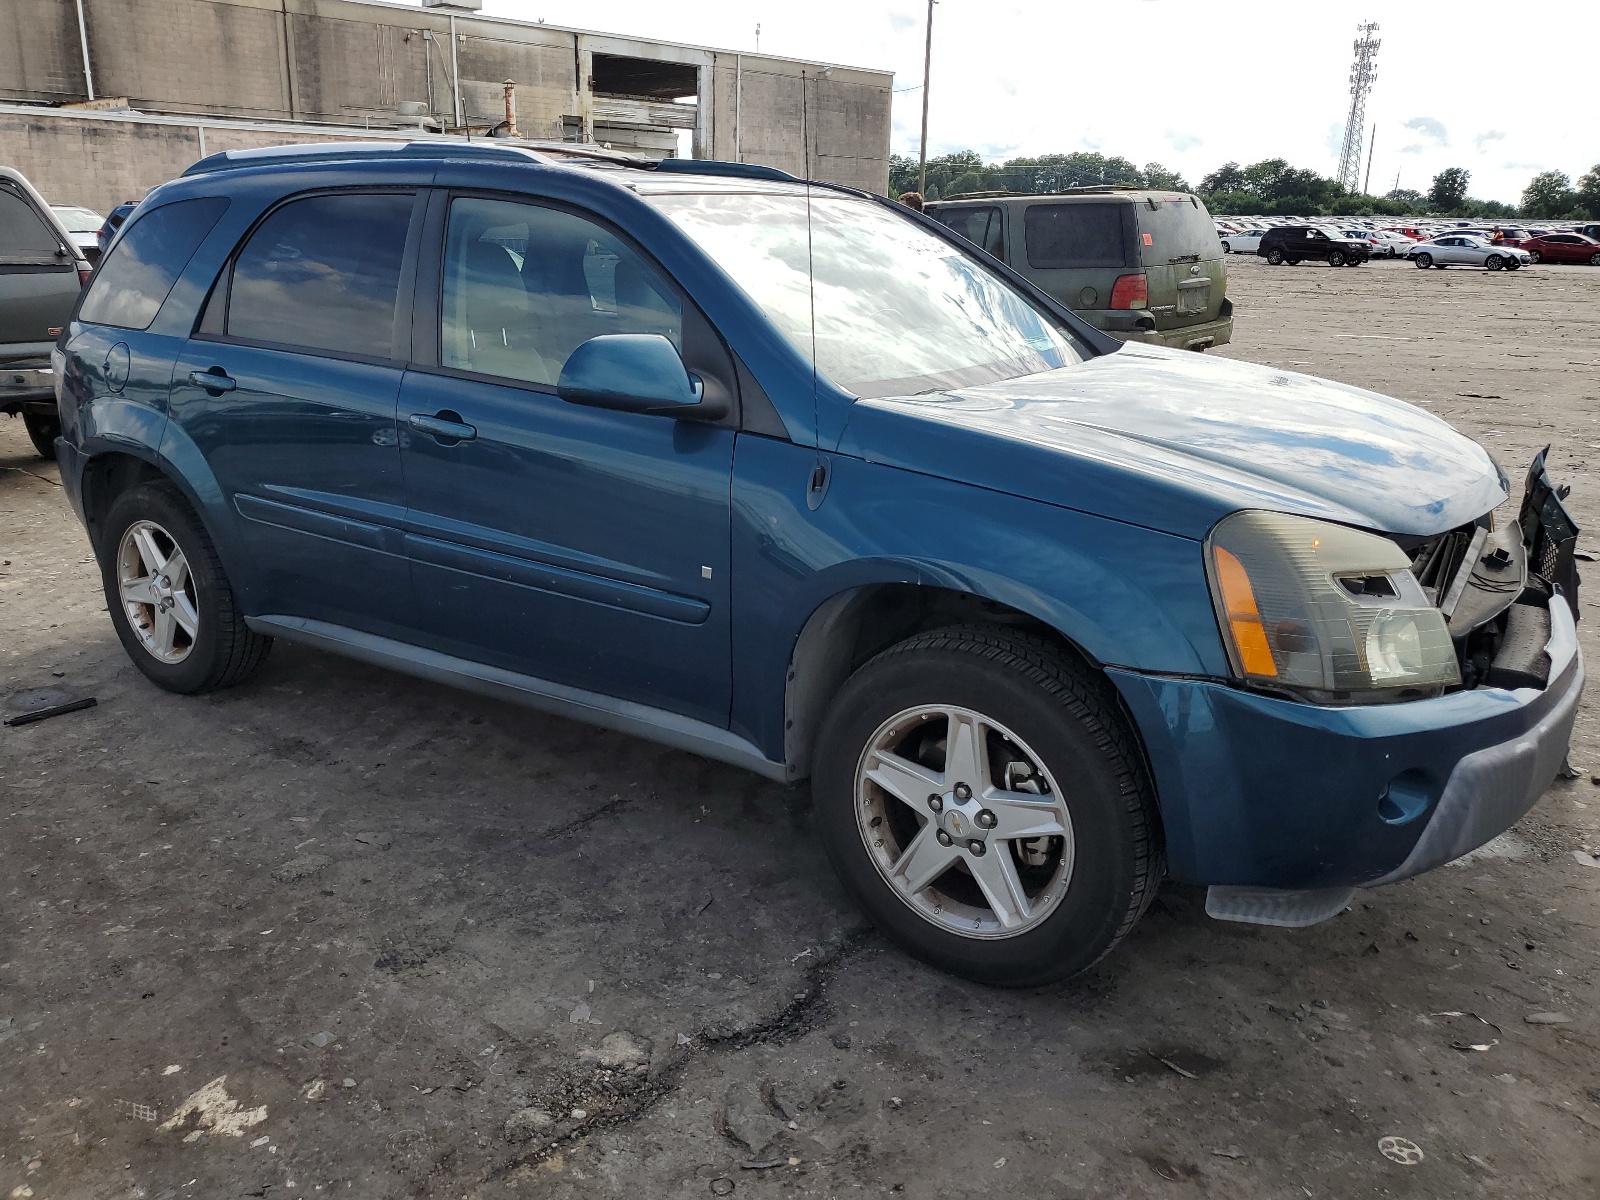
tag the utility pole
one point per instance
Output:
(1372, 148)
(758, 37)
(922, 150)
(1362, 76)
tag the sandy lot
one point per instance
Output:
(326, 933)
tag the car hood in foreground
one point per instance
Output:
(1175, 441)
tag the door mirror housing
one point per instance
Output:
(638, 373)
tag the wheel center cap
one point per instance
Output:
(956, 823)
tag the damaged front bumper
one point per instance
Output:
(1284, 808)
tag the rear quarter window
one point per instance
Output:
(1177, 230)
(1079, 235)
(24, 236)
(135, 278)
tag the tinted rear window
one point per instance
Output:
(323, 273)
(24, 237)
(135, 277)
(1178, 230)
(1079, 235)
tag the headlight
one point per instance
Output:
(1323, 609)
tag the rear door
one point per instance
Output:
(1182, 257)
(39, 281)
(578, 545)
(289, 388)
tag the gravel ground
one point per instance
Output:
(341, 932)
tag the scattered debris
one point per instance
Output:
(347, 1082)
(1467, 1047)
(1587, 857)
(55, 710)
(211, 1108)
(1401, 1150)
(1230, 1152)
(722, 1186)
(526, 1124)
(1548, 1018)
(320, 1040)
(175, 1068)
(764, 1164)
(622, 1051)
(998, 1163)
(579, 1015)
(579, 1114)
(381, 840)
(300, 868)
(841, 1041)
(315, 1089)
(139, 1112)
(1172, 1066)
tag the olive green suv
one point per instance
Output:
(1144, 266)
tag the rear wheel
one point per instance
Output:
(1424, 261)
(1227, 249)
(1336, 258)
(172, 606)
(1594, 259)
(982, 798)
(1533, 256)
(1275, 257)
(43, 430)
(1495, 263)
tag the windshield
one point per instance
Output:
(877, 303)
(79, 220)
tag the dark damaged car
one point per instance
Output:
(784, 475)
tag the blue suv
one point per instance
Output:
(788, 476)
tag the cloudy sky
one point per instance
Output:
(1191, 86)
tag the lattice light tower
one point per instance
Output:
(1363, 73)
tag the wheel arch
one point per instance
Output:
(856, 623)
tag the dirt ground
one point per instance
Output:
(340, 932)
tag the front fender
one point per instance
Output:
(1126, 595)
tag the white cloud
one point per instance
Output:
(1428, 127)
(1183, 141)
(1483, 139)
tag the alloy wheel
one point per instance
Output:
(157, 592)
(964, 822)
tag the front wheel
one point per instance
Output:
(1275, 257)
(170, 602)
(1227, 249)
(1424, 261)
(1336, 258)
(43, 430)
(982, 798)
(1513, 264)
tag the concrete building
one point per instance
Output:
(102, 99)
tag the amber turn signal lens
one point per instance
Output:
(1244, 618)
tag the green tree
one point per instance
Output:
(1409, 197)
(1227, 178)
(1157, 176)
(1449, 190)
(1549, 194)
(1588, 195)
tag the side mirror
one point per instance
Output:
(635, 372)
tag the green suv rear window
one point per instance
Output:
(1178, 231)
(1079, 235)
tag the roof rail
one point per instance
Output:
(711, 166)
(231, 160)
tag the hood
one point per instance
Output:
(1175, 440)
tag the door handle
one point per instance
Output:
(446, 426)
(214, 380)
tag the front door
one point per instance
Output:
(578, 545)
(288, 390)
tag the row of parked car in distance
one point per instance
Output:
(1501, 248)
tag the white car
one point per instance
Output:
(1453, 250)
(84, 226)
(1241, 241)
(1395, 245)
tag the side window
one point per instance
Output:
(525, 286)
(24, 237)
(134, 279)
(323, 273)
(980, 226)
(1079, 235)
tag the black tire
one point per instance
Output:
(1513, 264)
(1070, 719)
(1226, 249)
(43, 430)
(224, 650)
(1275, 257)
(1336, 258)
(1494, 263)
(1424, 261)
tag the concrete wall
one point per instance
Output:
(351, 62)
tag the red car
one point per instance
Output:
(1564, 248)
